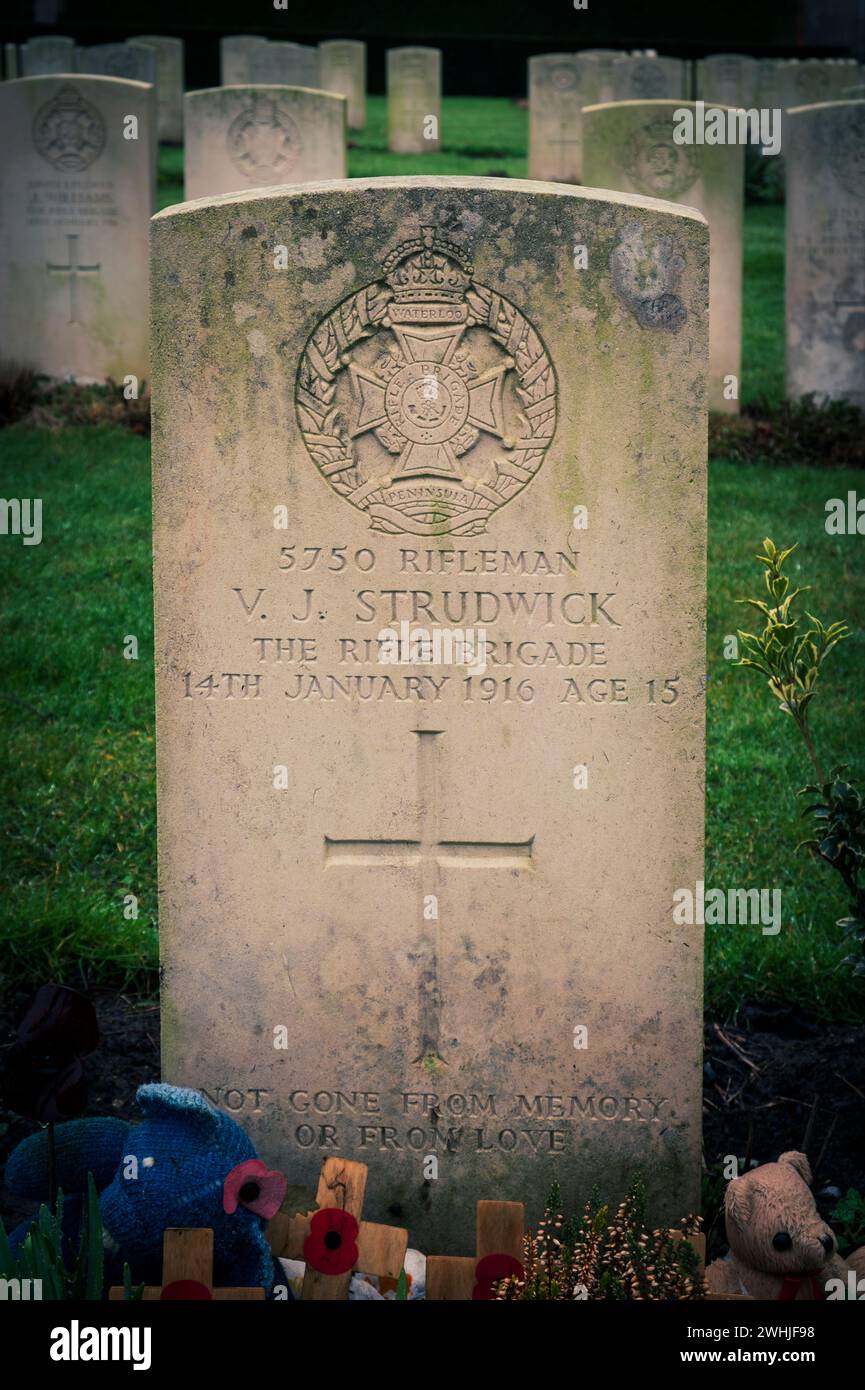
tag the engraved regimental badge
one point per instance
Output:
(69, 132)
(426, 400)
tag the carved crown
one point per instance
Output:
(428, 269)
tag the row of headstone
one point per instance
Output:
(339, 65)
(735, 79)
(153, 58)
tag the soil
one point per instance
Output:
(774, 1080)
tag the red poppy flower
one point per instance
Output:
(331, 1246)
(185, 1290)
(255, 1187)
(490, 1270)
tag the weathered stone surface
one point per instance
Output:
(169, 85)
(75, 197)
(343, 69)
(556, 100)
(254, 137)
(53, 53)
(414, 84)
(630, 146)
(134, 61)
(638, 78)
(393, 864)
(286, 64)
(825, 280)
(234, 54)
(727, 79)
(597, 74)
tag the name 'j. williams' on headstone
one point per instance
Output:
(632, 146)
(825, 234)
(417, 898)
(77, 187)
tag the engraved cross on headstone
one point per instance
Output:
(73, 270)
(431, 855)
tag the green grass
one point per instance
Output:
(77, 812)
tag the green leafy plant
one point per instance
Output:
(791, 651)
(41, 1254)
(592, 1257)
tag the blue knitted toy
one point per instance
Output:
(169, 1170)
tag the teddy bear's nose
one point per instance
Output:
(828, 1243)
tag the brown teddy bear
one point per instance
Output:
(780, 1246)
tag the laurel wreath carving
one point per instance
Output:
(360, 316)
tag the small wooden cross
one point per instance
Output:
(499, 1232)
(380, 1249)
(187, 1256)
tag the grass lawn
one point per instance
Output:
(77, 796)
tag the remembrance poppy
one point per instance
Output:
(331, 1246)
(255, 1187)
(185, 1290)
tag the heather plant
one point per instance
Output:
(593, 1257)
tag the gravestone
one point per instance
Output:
(47, 55)
(414, 84)
(234, 54)
(134, 61)
(825, 248)
(343, 69)
(284, 64)
(727, 79)
(629, 146)
(11, 64)
(386, 910)
(556, 117)
(637, 78)
(75, 198)
(254, 137)
(597, 72)
(169, 85)
(808, 82)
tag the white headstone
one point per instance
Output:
(234, 54)
(389, 906)
(825, 280)
(134, 61)
(638, 78)
(343, 69)
(285, 64)
(75, 199)
(728, 79)
(254, 137)
(414, 86)
(556, 117)
(630, 146)
(169, 85)
(11, 60)
(47, 55)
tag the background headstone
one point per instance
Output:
(629, 146)
(134, 61)
(804, 83)
(254, 137)
(342, 65)
(637, 78)
(429, 908)
(825, 236)
(597, 70)
(727, 79)
(75, 199)
(11, 60)
(414, 84)
(46, 55)
(556, 117)
(285, 64)
(234, 51)
(169, 85)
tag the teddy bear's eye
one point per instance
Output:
(782, 1241)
